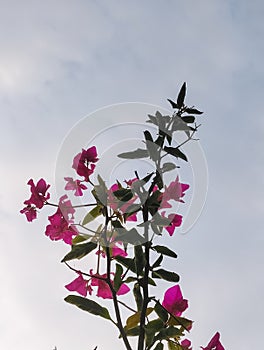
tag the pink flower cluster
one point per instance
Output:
(61, 223)
(83, 286)
(37, 199)
(84, 161)
(175, 191)
(84, 165)
(173, 301)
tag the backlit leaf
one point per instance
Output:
(138, 153)
(181, 96)
(88, 305)
(79, 251)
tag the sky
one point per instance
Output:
(61, 61)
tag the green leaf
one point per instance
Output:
(155, 325)
(132, 236)
(138, 296)
(151, 282)
(152, 119)
(147, 178)
(158, 180)
(133, 332)
(117, 224)
(181, 96)
(170, 332)
(159, 346)
(166, 275)
(156, 229)
(81, 238)
(151, 328)
(139, 259)
(173, 104)
(138, 153)
(153, 150)
(118, 277)
(179, 124)
(127, 262)
(100, 192)
(173, 346)
(161, 220)
(94, 213)
(130, 279)
(132, 209)
(164, 250)
(188, 119)
(160, 140)
(134, 320)
(88, 305)
(168, 167)
(153, 202)
(169, 137)
(151, 146)
(148, 136)
(79, 251)
(193, 111)
(180, 321)
(173, 332)
(124, 195)
(174, 151)
(161, 312)
(157, 262)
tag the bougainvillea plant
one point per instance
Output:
(127, 259)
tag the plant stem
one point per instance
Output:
(144, 282)
(109, 282)
(117, 311)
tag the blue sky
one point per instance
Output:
(59, 62)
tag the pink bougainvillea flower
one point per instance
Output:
(74, 185)
(30, 212)
(79, 285)
(116, 251)
(59, 228)
(175, 221)
(186, 344)
(175, 191)
(38, 193)
(173, 301)
(83, 162)
(104, 290)
(214, 343)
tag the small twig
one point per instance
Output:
(84, 273)
(73, 206)
(128, 307)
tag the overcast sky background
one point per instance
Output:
(60, 61)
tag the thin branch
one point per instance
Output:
(84, 273)
(128, 307)
(72, 206)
